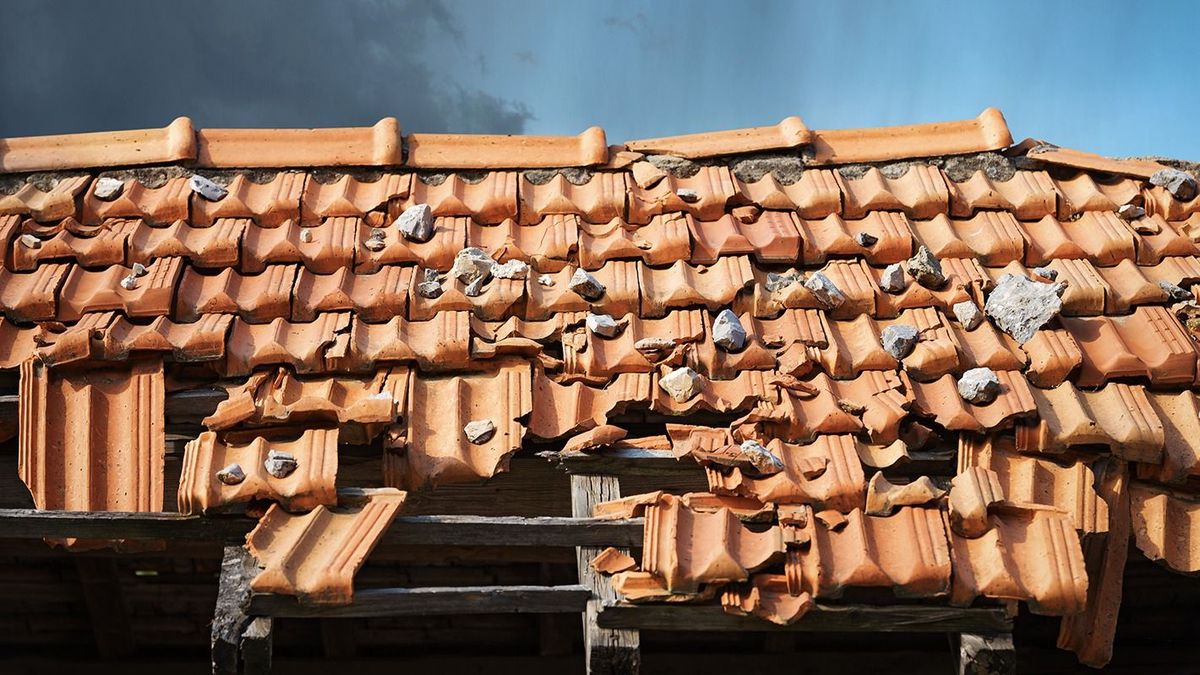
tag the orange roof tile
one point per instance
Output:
(790, 133)
(174, 142)
(464, 151)
(359, 146)
(988, 131)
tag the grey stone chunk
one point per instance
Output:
(926, 269)
(866, 239)
(429, 289)
(968, 314)
(1130, 212)
(138, 270)
(232, 474)
(280, 464)
(681, 384)
(479, 431)
(430, 274)
(513, 269)
(475, 288)
(1175, 293)
(1176, 182)
(728, 332)
(892, 280)
(207, 189)
(129, 282)
(108, 188)
(1048, 273)
(979, 386)
(604, 325)
(824, 290)
(763, 460)
(899, 340)
(689, 196)
(778, 282)
(1020, 306)
(377, 241)
(585, 285)
(545, 280)
(416, 223)
(470, 265)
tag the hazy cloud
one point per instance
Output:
(526, 56)
(79, 66)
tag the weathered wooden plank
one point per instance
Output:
(823, 618)
(379, 602)
(405, 530)
(986, 654)
(607, 652)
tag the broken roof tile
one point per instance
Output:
(547, 246)
(561, 409)
(664, 241)
(682, 286)
(834, 237)
(16, 344)
(712, 186)
(217, 245)
(349, 195)
(44, 205)
(965, 280)
(739, 394)
(1166, 525)
(1118, 416)
(152, 294)
(302, 346)
(311, 484)
(1159, 201)
(314, 556)
(920, 192)
(1180, 416)
(825, 474)
(108, 336)
(1028, 195)
(720, 237)
(599, 200)
(256, 298)
(988, 131)
(940, 400)
(597, 357)
(1138, 168)
(378, 145)
(68, 241)
(373, 298)
(497, 300)
(268, 203)
(766, 597)
(1053, 354)
(176, 141)
(449, 237)
(480, 151)
(789, 133)
(165, 203)
(1082, 193)
(854, 278)
(621, 294)
(815, 194)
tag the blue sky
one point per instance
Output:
(1117, 78)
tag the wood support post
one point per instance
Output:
(986, 654)
(607, 651)
(240, 643)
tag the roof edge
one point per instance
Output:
(1078, 159)
(988, 131)
(791, 132)
(172, 143)
(378, 145)
(481, 151)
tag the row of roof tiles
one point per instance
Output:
(920, 191)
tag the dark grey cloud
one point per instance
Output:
(79, 65)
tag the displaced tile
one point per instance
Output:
(1180, 416)
(497, 300)
(664, 241)
(49, 205)
(440, 343)
(1053, 355)
(107, 336)
(1083, 193)
(1166, 526)
(594, 356)
(789, 133)
(257, 298)
(941, 401)
(1149, 344)
(311, 484)
(712, 186)
(825, 474)
(766, 597)
(1137, 168)
(32, 296)
(561, 409)
(303, 346)
(853, 278)
(315, 556)
(1118, 416)
(547, 246)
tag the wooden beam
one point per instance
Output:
(646, 462)
(405, 530)
(106, 606)
(986, 654)
(822, 618)
(377, 602)
(607, 652)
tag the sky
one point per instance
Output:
(1118, 78)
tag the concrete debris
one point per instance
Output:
(824, 290)
(682, 384)
(585, 285)
(513, 269)
(416, 223)
(471, 264)
(1130, 212)
(926, 269)
(30, 241)
(475, 288)
(778, 282)
(232, 474)
(604, 325)
(1020, 306)
(129, 282)
(1047, 273)
(280, 464)
(108, 188)
(1175, 292)
(545, 280)
(1178, 183)
(728, 332)
(377, 241)
(892, 280)
(899, 340)
(138, 270)
(979, 386)
(678, 167)
(688, 196)
(429, 289)
(968, 314)
(306, 236)
(479, 431)
(430, 274)
(762, 459)
(207, 189)
(866, 239)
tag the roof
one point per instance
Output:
(274, 264)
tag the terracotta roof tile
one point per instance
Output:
(373, 297)
(311, 484)
(440, 343)
(1028, 195)
(739, 394)
(599, 200)
(920, 192)
(379, 145)
(108, 336)
(682, 286)
(852, 277)
(789, 133)
(16, 344)
(166, 203)
(988, 131)
(723, 237)
(302, 346)
(269, 204)
(347, 195)
(1082, 193)
(1159, 201)
(437, 450)
(854, 346)
(664, 241)
(834, 237)
(964, 279)
(1138, 168)
(499, 299)
(815, 194)
(488, 199)
(561, 409)
(588, 354)
(469, 151)
(837, 484)
(941, 401)
(1030, 553)
(106, 148)
(1180, 416)
(822, 406)
(1166, 526)
(547, 246)
(766, 597)
(68, 241)
(44, 205)
(1118, 416)
(256, 298)
(621, 295)
(1138, 284)
(1053, 354)
(1149, 344)
(151, 296)
(1157, 239)
(98, 427)
(449, 236)
(322, 248)
(994, 237)
(316, 555)
(713, 187)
